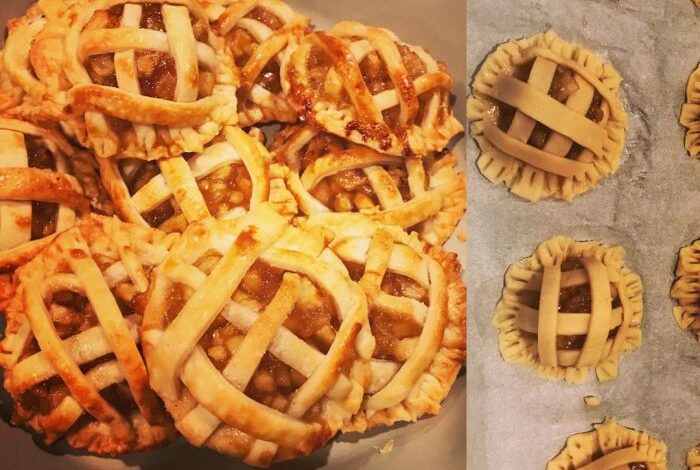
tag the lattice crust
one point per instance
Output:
(686, 289)
(547, 116)
(693, 458)
(39, 196)
(570, 307)
(417, 312)
(610, 445)
(31, 76)
(150, 80)
(329, 174)
(224, 181)
(70, 353)
(244, 374)
(257, 34)
(690, 114)
(364, 84)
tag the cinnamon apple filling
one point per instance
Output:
(44, 214)
(562, 86)
(313, 319)
(156, 70)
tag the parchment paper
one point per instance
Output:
(651, 206)
(437, 442)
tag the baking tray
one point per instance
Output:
(438, 442)
(651, 206)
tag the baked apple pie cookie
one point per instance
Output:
(148, 79)
(686, 289)
(690, 114)
(417, 313)
(570, 307)
(610, 446)
(364, 84)
(39, 196)
(329, 174)
(547, 116)
(229, 177)
(70, 353)
(258, 346)
(257, 35)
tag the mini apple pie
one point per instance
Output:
(39, 195)
(327, 173)
(686, 289)
(610, 446)
(693, 458)
(229, 177)
(149, 79)
(690, 114)
(257, 34)
(70, 353)
(570, 307)
(547, 116)
(417, 313)
(364, 84)
(258, 346)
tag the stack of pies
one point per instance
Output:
(164, 272)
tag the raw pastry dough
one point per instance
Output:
(690, 113)
(570, 307)
(547, 116)
(686, 289)
(610, 446)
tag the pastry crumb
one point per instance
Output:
(591, 400)
(462, 235)
(387, 447)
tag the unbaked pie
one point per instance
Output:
(693, 458)
(686, 289)
(39, 196)
(257, 34)
(70, 353)
(417, 311)
(690, 114)
(547, 116)
(225, 180)
(610, 446)
(364, 84)
(570, 307)
(149, 79)
(258, 346)
(327, 173)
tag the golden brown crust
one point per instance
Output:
(412, 287)
(343, 100)
(62, 354)
(223, 406)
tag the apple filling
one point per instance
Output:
(44, 214)
(313, 319)
(156, 70)
(71, 314)
(225, 189)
